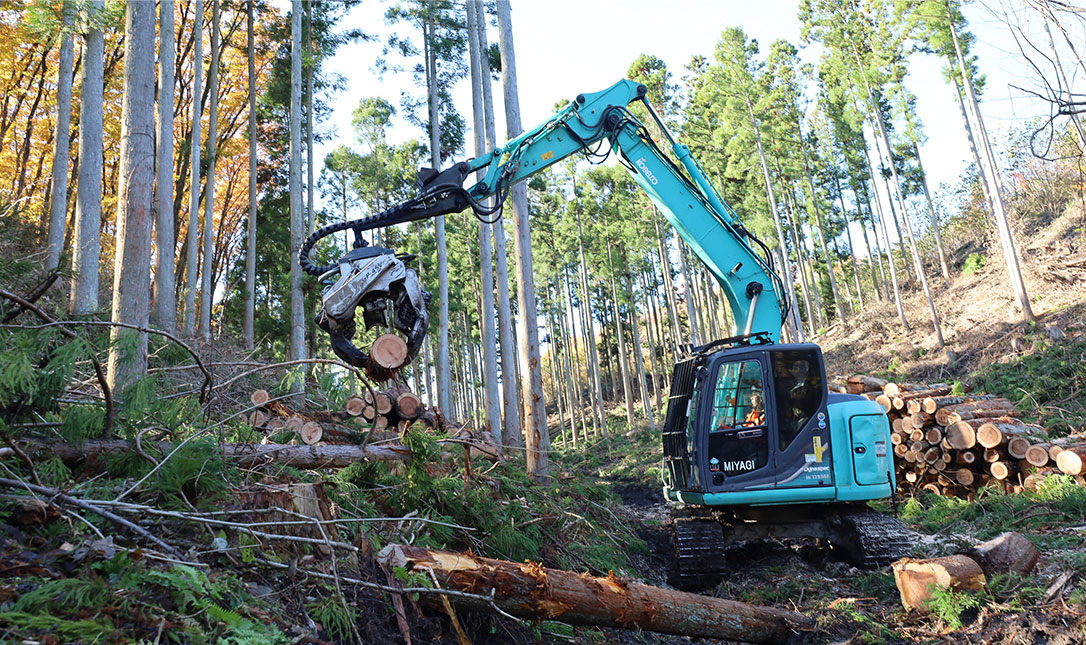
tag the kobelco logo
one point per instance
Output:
(645, 169)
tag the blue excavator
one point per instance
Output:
(754, 443)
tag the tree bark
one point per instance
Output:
(488, 314)
(311, 216)
(297, 214)
(646, 405)
(1007, 552)
(58, 197)
(531, 591)
(624, 372)
(590, 333)
(132, 268)
(86, 244)
(192, 232)
(248, 332)
(165, 302)
(536, 437)
(444, 374)
(207, 284)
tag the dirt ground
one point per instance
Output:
(978, 311)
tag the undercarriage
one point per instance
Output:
(853, 533)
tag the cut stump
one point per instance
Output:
(916, 579)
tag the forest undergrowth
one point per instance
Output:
(228, 565)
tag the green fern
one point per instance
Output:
(949, 604)
(70, 594)
(336, 619)
(232, 619)
(53, 471)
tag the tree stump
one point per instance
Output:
(915, 579)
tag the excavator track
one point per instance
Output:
(699, 552)
(869, 539)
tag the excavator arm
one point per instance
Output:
(594, 124)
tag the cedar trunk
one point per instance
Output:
(132, 266)
(532, 591)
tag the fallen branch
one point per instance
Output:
(56, 495)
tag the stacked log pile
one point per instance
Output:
(955, 444)
(380, 414)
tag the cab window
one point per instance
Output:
(797, 383)
(738, 398)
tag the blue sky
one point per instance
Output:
(566, 47)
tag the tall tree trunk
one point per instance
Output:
(444, 375)
(898, 196)
(669, 286)
(991, 167)
(637, 356)
(572, 330)
(574, 376)
(807, 260)
(886, 236)
(427, 381)
(624, 371)
(248, 331)
(851, 246)
(688, 290)
(537, 439)
(132, 268)
(86, 244)
(590, 350)
(488, 315)
(821, 227)
(874, 253)
(982, 179)
(652, 325)
(165, 301)
(506, 340)
(207, 285)
(297, 213)
(801, 264)
(311, 215)
(793, 309)
(931, 211)
(58, 198)
(192, 232)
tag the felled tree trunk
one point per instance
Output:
(246, 454)
(532, 591)
(1007, 552)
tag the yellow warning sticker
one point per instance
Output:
(818, 448)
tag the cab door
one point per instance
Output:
(737, 431)
(802, 453)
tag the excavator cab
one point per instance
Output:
(756, 446)
(754, 424)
